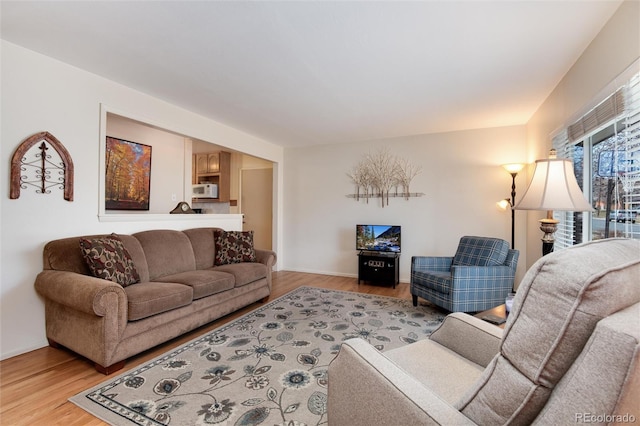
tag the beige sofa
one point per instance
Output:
(179, 289)
(569, 354)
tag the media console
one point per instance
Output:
(379, 267)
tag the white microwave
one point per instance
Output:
(204, 190)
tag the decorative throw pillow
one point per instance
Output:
(108, 259)
(234, 247)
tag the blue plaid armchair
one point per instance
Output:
(478, 277)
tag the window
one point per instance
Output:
(604, 145)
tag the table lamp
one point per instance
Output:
(553, 187)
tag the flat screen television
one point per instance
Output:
(385, 238)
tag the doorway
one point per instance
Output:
(256, 204)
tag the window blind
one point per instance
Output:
(630, 177)
(565, 234)
(598, 117)
(622, 111)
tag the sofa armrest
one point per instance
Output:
(470, 337)
(366, 388)
(81, 292)
(267, 257)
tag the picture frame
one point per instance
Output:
(127, 175)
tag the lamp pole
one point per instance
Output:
(513, 212)
(513, 169)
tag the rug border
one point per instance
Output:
(111, 417)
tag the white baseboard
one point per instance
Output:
(21, 351)
(335, 274)
(313, 271)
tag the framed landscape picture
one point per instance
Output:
(127, 176)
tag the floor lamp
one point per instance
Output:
(553, 187)
(513, 169)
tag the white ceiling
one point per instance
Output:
(316, 72)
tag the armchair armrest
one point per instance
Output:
(482, 277)
(366, 388)
(512, 259)
(470, 337)
(494, 272)
(431, 263)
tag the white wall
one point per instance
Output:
(42, 94)
(615, 48)
(461, 177)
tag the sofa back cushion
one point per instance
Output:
(557, 306)
(167, 252)
(480, 251)
(65, 255)
(605, 379)
(202, 241)
(134, 248)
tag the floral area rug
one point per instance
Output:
(267, 367)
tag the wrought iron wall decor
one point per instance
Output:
(37, 169)
(377, 174)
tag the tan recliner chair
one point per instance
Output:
(569, 354)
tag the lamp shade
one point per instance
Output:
(513, 167)
(554, 187)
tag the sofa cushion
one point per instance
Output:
(108, 259)
(244, 273)
(204, 283)
(151, 298)
(481, 251)
(168, 252)
(202, 241)
(64, 255)
(556, 308)
(234, 247)
(446, 373)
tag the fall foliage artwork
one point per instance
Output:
(128, 175)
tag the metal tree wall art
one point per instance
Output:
(405, 172)
(376, 174)
(38, 167)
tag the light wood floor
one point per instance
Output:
(34, 387)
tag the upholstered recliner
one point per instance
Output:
(478, 277)
(569, 354)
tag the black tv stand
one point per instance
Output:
(380, 267)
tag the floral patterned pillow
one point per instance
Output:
(108, 259)
(234, 247)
